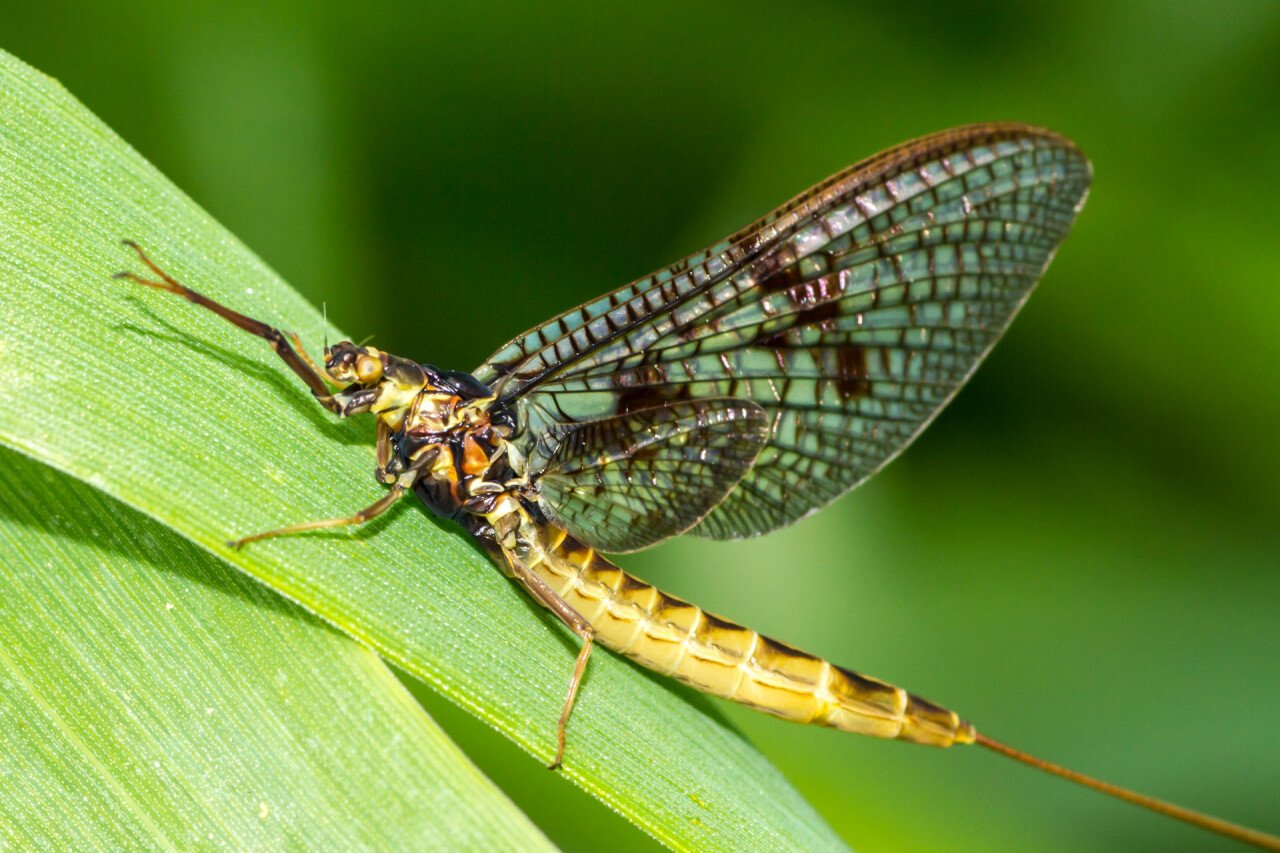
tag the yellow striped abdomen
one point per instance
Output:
(718, 657)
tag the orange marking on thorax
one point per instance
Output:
(474, 460)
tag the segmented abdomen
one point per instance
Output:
(719, 657)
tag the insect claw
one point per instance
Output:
(132, 245)
(235, 544)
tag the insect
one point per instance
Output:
(727, 395)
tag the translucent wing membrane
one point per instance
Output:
(850, 315)
(627, 481)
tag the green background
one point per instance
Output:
(1080, 555)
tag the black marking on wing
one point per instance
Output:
(850, 315)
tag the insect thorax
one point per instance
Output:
(457, 445)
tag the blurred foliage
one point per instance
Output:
(1080, 555)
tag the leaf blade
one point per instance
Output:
(154, 697)
(196, 425)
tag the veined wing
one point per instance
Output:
(624, 482)
(851, 314)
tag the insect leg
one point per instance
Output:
(400, 485)
(311, 363)
(367, 514)
(298, 361)
(383, 451)
(546, 596)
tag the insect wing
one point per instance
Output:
(627, 481)
(850, 315)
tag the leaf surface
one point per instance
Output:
(152, 697)
(198, 425)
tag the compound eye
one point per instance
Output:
(369, 369)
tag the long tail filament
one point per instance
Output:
(1204, 821)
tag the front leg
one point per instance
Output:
(292, 354)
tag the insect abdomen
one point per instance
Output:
(724, 659)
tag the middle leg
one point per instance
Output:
(370, 512)
(367, 514)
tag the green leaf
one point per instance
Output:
(174, 412)
(152, 697)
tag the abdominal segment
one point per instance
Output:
(681, 640)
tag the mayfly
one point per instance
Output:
(728, 395)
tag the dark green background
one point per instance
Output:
(1081, 555)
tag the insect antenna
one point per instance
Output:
(1195, 818)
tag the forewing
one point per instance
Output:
(627, 481)
(850, 315)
